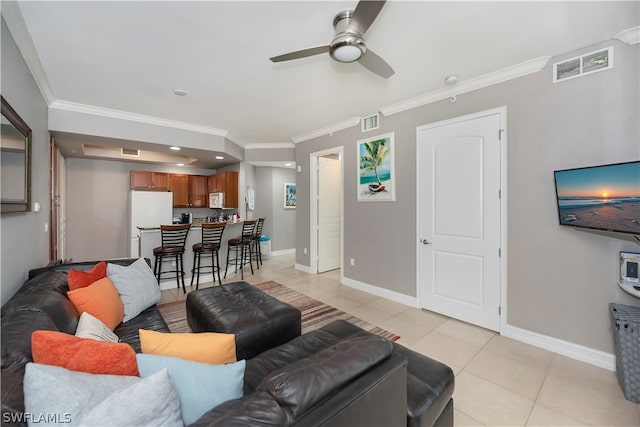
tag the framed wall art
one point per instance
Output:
(376, 175)
(289, 195)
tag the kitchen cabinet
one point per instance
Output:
(198, 194)
(146, 180)
(227, 183)
(189, 191)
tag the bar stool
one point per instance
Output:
(173, 240)
(242, 245)
(211, 241)
(257, 253)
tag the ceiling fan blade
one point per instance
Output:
(374, 63)
(301, 53)
(365, 13)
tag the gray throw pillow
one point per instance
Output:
(55, 396)
(136, 285)
(152, 401)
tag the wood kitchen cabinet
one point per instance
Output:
(227, 183)
(189, 191)
(149, 181)
(198, 194)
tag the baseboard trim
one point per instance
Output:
(589, 355)
(283, 252)
(565, 348)
(303, 268)
(381, 292)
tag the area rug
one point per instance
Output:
(315, 314)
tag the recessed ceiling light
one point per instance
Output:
(180, 164)
(174, 148)
(179, 92)
(219, 158)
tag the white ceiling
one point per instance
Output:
(131, 55)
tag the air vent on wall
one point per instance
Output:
(588, 63)
(130, 152)
(370, 122)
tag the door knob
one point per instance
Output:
(425, 242)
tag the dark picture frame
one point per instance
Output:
(15, 145)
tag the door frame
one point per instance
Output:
(502, 111)
(313, 207)
(57, 202)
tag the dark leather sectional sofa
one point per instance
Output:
(338, 375)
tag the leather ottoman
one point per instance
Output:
(430, 387)
(429, 383)
(258, 320)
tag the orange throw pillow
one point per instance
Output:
(80, 279)
(206, 347)
(83, 354)
(101, 300)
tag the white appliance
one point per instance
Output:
(216, 200)
(147, 209)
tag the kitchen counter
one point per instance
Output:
(194, 226)
(150, 238)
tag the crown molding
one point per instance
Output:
(629, 36)
(518, 70)
(234, 140)
(268, 145)
(273, 164)
(327, 130)
(134, 117)
(13, 17)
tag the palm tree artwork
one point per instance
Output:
(377, 152)
(376, 177)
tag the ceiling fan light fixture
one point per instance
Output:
(347, 48)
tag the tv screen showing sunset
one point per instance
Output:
(601, 197)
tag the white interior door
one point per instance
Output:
(61, 203)
(459, 218)
(329, 213)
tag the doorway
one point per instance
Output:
(57, 203)
(462, 217)
(326, 210)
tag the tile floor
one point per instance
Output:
(499, 381)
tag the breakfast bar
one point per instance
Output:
(150, 238)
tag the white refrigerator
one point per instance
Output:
(147, 209)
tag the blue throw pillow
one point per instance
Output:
(200, 386)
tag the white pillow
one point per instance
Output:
(91, 327)
(58, 396)
(136, 285)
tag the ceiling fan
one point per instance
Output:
(348, 43)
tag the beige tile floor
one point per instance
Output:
(499, 381)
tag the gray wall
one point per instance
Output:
(249, 181)
(279, 223)
(560, 280)
(24, 242)
(97, 206)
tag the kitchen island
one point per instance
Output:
(150, 238)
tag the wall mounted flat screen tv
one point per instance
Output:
(603, 197)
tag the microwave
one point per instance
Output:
(216, 200)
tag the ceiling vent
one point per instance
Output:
(370, 122)
(588, 63)
(129, 152)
